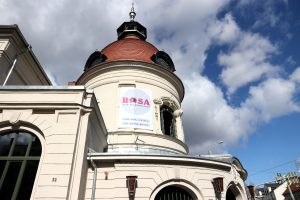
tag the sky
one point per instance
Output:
(238, 59)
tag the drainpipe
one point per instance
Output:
(94, 175)
(14, 63)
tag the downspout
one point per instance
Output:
(14, 63)
(94, 175)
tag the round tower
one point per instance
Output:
(138, 93)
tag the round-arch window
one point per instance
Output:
(19, 159)
(173, 193)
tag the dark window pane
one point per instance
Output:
(18, 144)
(163, 63)
(28, 180)
(22, 142)
(36, 148)
(173, 193)
(2, 165)
(8, 186)
(168, 123)
(5, 143)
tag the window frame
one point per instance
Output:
(173, 131)
(23, 159)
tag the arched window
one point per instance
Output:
(95, 58)
(168, 126)
(173, 193)
(230, 195)
(163, 59)
(19, 159)
(233, 192)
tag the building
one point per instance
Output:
(280, 189)
(295, 189)
(273, 191)
(116, 133)
(15, 49)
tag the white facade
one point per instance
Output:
(166, 88)
(87, 154)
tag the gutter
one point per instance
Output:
(95, 173)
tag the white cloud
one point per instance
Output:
(207, 116)
(225, 30)
(216, 120)
(295, 76)
(272, 98)
(247, 61)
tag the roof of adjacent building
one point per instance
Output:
(8, 30)
(295, 187)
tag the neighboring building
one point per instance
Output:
(269, 191)
(259, 193)
(117, 134)
(15, 49)
(295, 189)
(279, 190)
(273, 191)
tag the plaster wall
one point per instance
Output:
(279, 191)
(153, 176)
(60, 119)
(166, 88)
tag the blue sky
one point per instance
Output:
(274, 146)
(238, 59)
(271, 149)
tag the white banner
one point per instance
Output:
(135, 108)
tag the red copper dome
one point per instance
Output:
(130, 47)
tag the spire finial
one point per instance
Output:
(132, 14)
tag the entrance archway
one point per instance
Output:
(230, 195)
(233, 193)
(173, 193)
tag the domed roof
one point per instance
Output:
(130, 47)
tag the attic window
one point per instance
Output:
(167, 121)
(163, 59)
(96, 58)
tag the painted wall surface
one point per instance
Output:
(110, 80)
(60, 118)
(153, 176)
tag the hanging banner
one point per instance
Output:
(135, 108)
